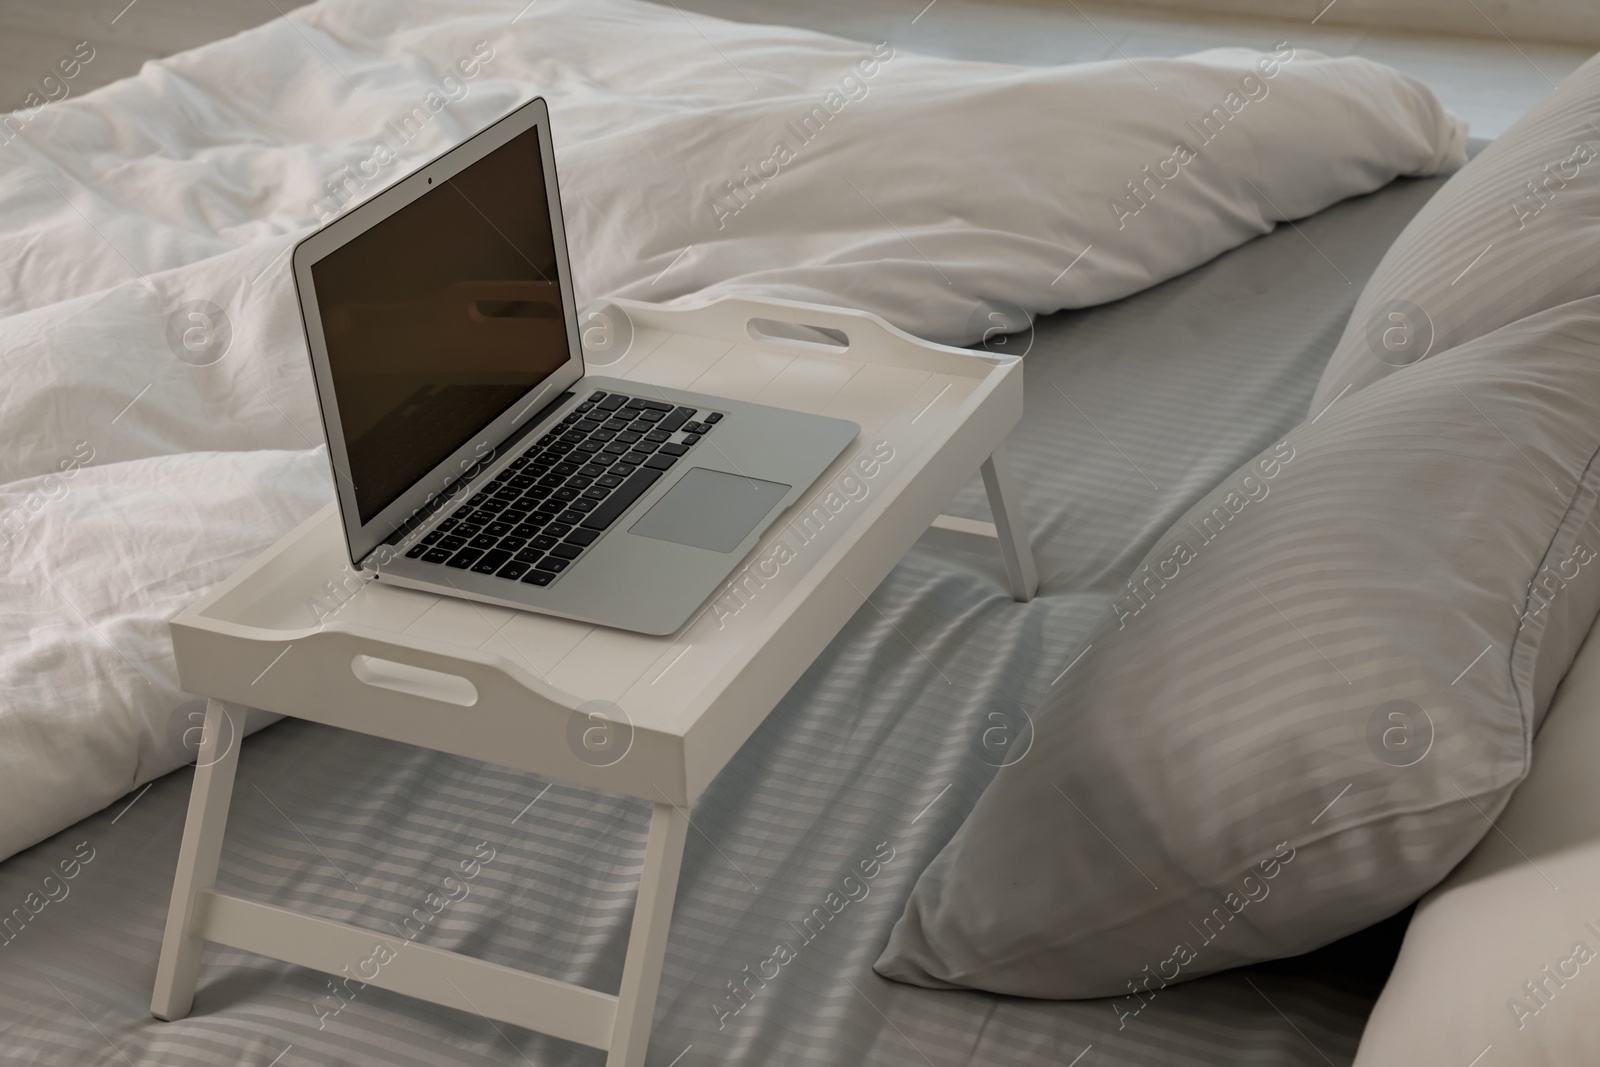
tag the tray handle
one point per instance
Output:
(416, 681)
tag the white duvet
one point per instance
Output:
(160, 427)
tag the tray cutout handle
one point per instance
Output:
(799, 334)
(414, 681)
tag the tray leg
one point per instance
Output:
(179, 966)
(1012, 531)
(647, 940)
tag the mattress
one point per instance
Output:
(871, 762)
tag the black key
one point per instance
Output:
(629, 437)
(513, 570)
(538, 578)
(578, 481)
(615, 424)
(573, 437)
(650, 416)
(583, 505)
(621, 499)
(572, 417)
(646, 446)
(565, 468)
(604, 460)
(642, 426)
(553, 480)
(518, 463)
(432, 537)
(602, 435)
(552, 563)
(610, 481)
(514, 515)
(624, 469)
(528, 555)
(714, 417)
(612, 402)
(617, 448)
(694, 427)
(588, 425)
(505, 492)
(673, 450)
(481, 517)
(539, 469)
(465, 558)
(495, 504)
(566, 493)
(483, 541)
(462, 512)
(416, 552)
(649, 405)
(636, 457)
(525, 530)
(477, 498)
(658, 436)
(471, 529)
(435, 555)
(566, 551)
(498, 529)
(521, 481)
(592, 470)
(538, 492)
(449, 524)
(580, 536)
(584, 408)
(452, 543)
(545, 516)
(597, 396)
(511, 544)
(596, 493)
(661, 462)
(572, 517)
(590, 447)
(491, 561)
(691, 438)
(678, 417)
(559, 448)
(545, 542)
(545, 440)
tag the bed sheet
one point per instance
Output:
(865, 769)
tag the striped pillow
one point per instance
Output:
(1305, 706)
(1516, 231)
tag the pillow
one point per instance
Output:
(1514, 232)
(1296, 717)
(1504, 952)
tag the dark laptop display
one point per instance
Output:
(440, 317)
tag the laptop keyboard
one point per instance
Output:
(555, 500)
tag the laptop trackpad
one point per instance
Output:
(710, 509)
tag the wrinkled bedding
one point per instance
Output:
(149, 312)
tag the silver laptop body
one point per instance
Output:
(472, 455)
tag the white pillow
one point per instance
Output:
(1297, 715)
(1523, 908)
(1515, 232)
(943, 192)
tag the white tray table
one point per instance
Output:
(298, 633)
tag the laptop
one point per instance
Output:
(473, 455)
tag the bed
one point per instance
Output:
(849, 760)
(1135, 409)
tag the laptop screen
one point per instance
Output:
(440, 317)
